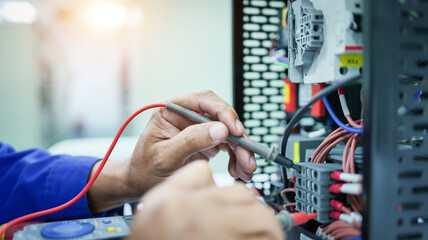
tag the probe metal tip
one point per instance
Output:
(286, 162)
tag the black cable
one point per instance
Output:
(302, 110)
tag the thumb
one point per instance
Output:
(196, 138)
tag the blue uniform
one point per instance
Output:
(35, 180)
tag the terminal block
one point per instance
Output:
(308, 31)
(324, 40)
(312, 193)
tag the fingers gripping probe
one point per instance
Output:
(260, 149)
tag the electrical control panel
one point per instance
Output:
(325, 40)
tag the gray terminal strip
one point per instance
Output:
(83, 229)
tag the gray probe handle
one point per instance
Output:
(285, 219)
(255, 147)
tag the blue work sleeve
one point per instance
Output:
(35, 180)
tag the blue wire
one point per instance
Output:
(278, 58)
(337, 120)
(417, 95)
(355, 238)
(282, 60)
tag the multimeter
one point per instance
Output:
(116, 227)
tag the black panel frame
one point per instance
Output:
(238, 57)
(388, 64)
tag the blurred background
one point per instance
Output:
(71, 71)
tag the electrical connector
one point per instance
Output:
(346, 177)
(339, 206)
(341, 216)
(336, 204)
(357, 217)
(349, 188)
(312, 193)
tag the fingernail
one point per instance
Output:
(253, 163)
(239, 126)
(218, 132)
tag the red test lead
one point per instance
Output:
(8, 225)
(302, 218)
(349, 188)
(346, 177)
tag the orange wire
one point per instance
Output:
(5, 227)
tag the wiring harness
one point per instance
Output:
(312, 193)
(299, 114)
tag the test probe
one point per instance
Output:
(260, 149)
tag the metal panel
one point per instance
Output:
(396, 120)
(257, 82)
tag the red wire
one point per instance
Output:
(353, 123)
(91, 181)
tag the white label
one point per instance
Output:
(305, 93)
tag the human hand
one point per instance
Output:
(188, 205)
(170, 141)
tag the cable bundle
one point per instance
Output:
(348, 223)
(350, 132)
(349, 167)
